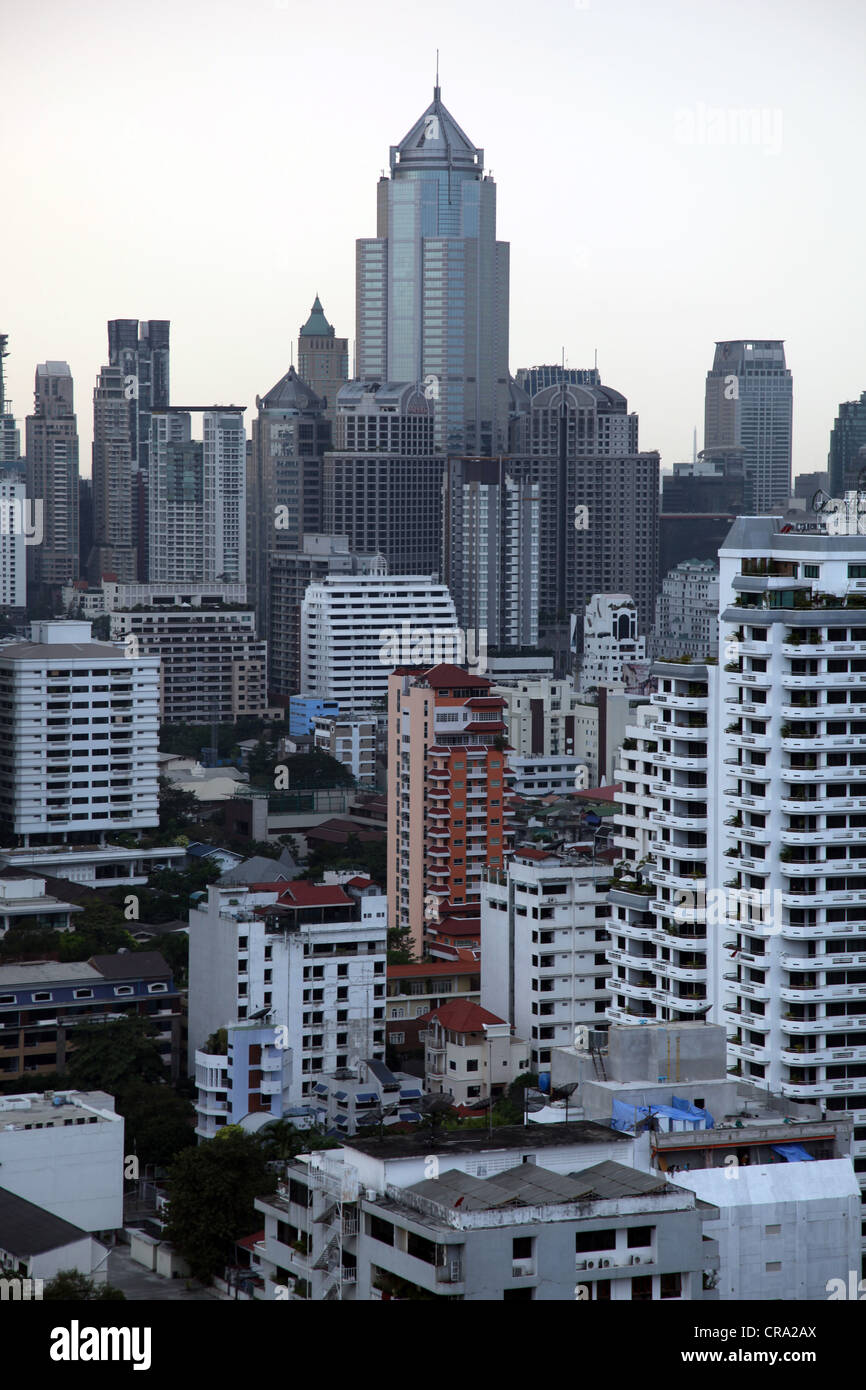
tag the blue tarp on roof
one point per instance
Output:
(794, 1153)
(366, 1096)
(681, 1112)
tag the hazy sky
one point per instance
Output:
(212, 163)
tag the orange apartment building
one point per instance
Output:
(449, 812)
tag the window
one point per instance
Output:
(157, 989)
(587, 1242)
(773, 1230)
(82, 994)
(521, 1248)
(124, 989)
(642, 1289)
(640, 1236)
(671, 1286)
(472, 1065)
(41, 996)
(775, 1266)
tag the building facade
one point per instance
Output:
(356, 629)
(323, 359)
(52, 475)
(544, 938)
(748, 405)
(381, 487)
(114, 486)
(432, 286)
(449, 811)
(491, 549)
(80, 757)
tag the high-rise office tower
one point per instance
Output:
(323, 359)
(847, 458)
(113, 551)
(290, 434)
(197, 496)
(449, 803)
(10, 440)
(598, 502)
(52, 475)
(175, 500)
(749, 402)
(225, 490)
(490, 549)
(382, 485)
(432, 286)
(141, 351)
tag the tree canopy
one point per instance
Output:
(211, 1192)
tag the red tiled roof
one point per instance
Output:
(300, 893)
(444, 675)
(462, 1016)
(360, 883)
(601, 793)
(247, 1242)
(530, 853)
(459, 926)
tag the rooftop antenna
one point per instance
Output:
(436, 89)
(695, 446)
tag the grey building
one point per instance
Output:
(432, 286)
(140, 349)
(847, 458)
(323, 359)
(542, 1212)
(534, 379)
(749, 404)
(52, 475)
(382, 484)
(197, 496)
(113, 499)
(599, 502)
(490, 548)
(290, 435)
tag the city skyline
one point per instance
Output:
(652, 290)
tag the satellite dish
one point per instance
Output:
(563, 1092)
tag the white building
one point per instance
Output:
(610, 641)
(37, 1245)
(197, 498)
(14, 511)
(351, 741)
(64, 1151)
(252, 1078)
(548, 775)
(470, 1053)
(82, 723)
(355, 629)
(310, 958)
(25, 903)
(114, 597)
(687, 612)
(543, 942)
(784, 1230)
(550, 718)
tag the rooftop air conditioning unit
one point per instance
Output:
(371, 1194)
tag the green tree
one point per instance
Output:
(178, 810)
(174, 949)
(110, 1056)
(159, 1123)
(71, 1286)
(211, 1192)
